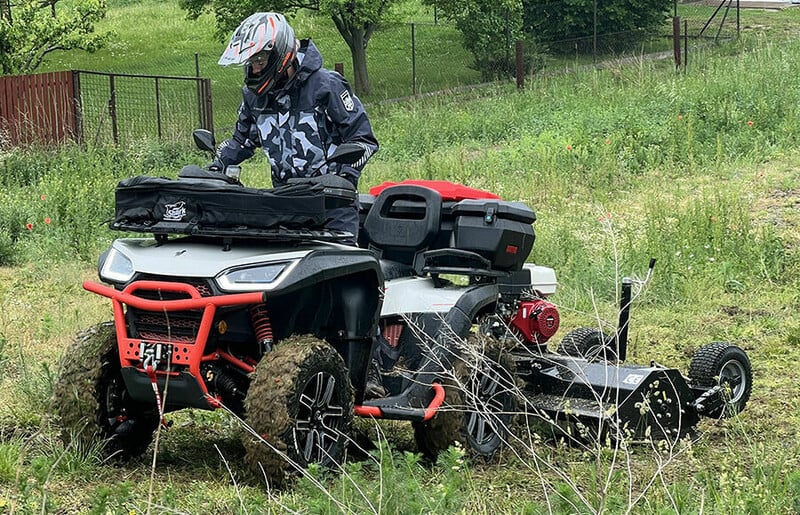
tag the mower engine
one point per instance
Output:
(535, 321)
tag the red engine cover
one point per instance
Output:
(536, 321)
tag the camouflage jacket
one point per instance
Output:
(301, 123)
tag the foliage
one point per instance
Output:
(570, 20)
(32, 29)
(355, 20)
(489, 30)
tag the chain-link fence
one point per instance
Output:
(429, 55)
(116, 107)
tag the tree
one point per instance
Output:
(31, 29)
(490, 29)
(356, 20)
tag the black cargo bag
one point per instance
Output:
(144, 203)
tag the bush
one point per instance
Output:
(570, 20)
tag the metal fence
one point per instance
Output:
(99, 107)
(118, 107)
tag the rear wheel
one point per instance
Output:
(91, 402)
(490, 398)
(300, 403)
(479, 406)
(588, 343)
(726, 365)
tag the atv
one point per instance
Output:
(240, 299)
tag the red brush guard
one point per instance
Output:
(183, 351)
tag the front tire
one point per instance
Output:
(91, 402)
(726, 365)
(300, 403)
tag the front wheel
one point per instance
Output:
(300, 404)
(725, 365)
(91, 402)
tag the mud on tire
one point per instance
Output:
(300, 402)
(479, 407)
(90, 401)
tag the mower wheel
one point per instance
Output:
(490, 397)
(726, 365)
(300, 406)
(588, 343)
(91, 402)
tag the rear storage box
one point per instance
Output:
(189, 205)
(501, 232)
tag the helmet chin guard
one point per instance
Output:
(262, 32)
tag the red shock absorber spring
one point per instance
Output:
(262, 327)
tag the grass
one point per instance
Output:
(621, 164)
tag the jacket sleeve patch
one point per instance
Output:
(347, 100)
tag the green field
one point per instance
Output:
(699, 169)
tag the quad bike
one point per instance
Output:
(240, 299)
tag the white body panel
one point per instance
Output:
(192, 259)
(418, 294)
(543, 279)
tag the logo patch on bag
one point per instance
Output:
(347, 100)
(174, 212)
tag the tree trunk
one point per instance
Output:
(360, 74)
(356, 37)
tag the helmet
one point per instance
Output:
(270, 35)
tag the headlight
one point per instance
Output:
(261, 277)
(116, 268)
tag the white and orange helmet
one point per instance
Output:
(262, 36)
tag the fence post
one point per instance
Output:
(520, 65)
(77, 105)
(339, 68)
(594, 33)
(685, 44)
(158, 110)
(112, 109)
(207, 120)
(413, 61)
(676, 40)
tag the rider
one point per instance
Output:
(295, 109)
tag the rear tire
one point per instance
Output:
(491, 399)
(479, 406)
(588, 343)
(726, 365)
(300, 401)
(444, 429)
(91, 402)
